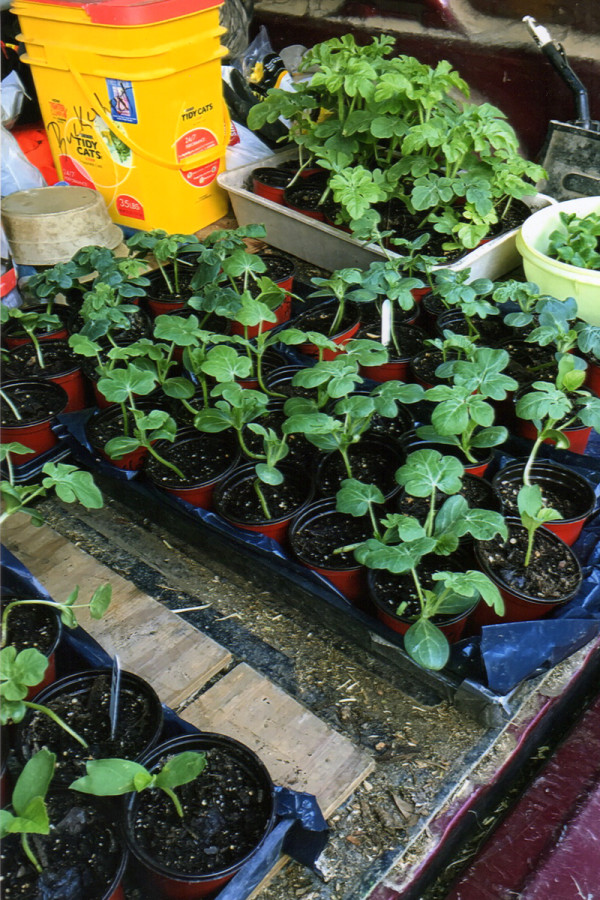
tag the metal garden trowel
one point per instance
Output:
(571, 153)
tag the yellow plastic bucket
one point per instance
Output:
(131, 96)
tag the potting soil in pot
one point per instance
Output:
(551, 575)
(86, 711)
(225, 811)
(80, 857)
(204, 457)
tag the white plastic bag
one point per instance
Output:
(17, 173)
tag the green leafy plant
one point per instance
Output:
(463, 417)
(345, 286)
(166, 250)
(391, 128)
(142, 427)
(352, 417)
(552, 408)
(30, 815)
(113, 777)
(534, 514)
(577, 241)
(69, 483)
(32, 323)
(400, 543)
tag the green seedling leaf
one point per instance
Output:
(112, 777)
(426, 471)
(355, 498)
(426, 644)
(19, 671)
(71, 484)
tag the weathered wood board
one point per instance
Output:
(153, 642)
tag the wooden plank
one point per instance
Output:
(299, 750)
(155, 643)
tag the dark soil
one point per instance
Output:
(226, 810)
(478, 493)
(557, 496)
(316, 540)
(370, 462)
(300, 450)
(86, 711)
(408, 339)
(390, 589)
(276, 177)
(393, 429)
(81, 856)
(491, 329)
(239, 501)
(35, 403)
(530, 362)
(280, 382)
(322, 317)
(201, 458)
(425, 364)
(552, 574)
(58, 360)
(159, 290)
(32, 626)
(108, 423)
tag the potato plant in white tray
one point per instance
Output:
(395, 149)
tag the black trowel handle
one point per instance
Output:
(558, 58)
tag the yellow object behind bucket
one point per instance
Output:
(135, 110)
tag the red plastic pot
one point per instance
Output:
(411, 442)
(37, 434)
(518, 606)
(181, 885)
(341, 338)
(578, 435)
(199, 493)
(164, 307)
(275, 528)
(12, 338)
(557, 477)
(272, 192)
(64, 370)
(452, 627)
(592, 377)
(349, 580)
(53, 619)
(78, 689)
(132, 461)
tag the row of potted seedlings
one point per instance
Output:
(395, 440)
(196, 807)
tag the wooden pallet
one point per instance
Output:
(299, 750)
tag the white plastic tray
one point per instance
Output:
(328, 247)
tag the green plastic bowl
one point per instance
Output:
(556, 278)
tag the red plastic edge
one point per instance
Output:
(142, 12)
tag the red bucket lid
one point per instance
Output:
(136, 12)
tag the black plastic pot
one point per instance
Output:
(575, 491)
(491, 329)
(185, 885)
(88, 691)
